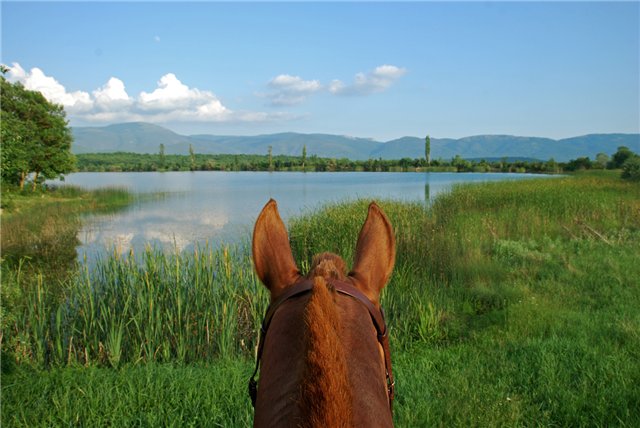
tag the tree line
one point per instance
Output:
(624, 159)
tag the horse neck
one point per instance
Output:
(317, 354)
(325, 392)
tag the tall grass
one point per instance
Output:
(165, 308)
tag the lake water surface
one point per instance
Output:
(214, 207)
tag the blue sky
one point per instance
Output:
(379, 70)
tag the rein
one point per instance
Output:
(377, 317)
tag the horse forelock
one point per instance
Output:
(325, 394)
(327, 265)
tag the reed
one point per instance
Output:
(152, 308)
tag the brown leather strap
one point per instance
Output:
(295, 290)
(377, 317)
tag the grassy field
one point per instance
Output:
(511, 304)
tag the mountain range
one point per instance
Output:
(140, 137)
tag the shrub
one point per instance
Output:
(631, 168)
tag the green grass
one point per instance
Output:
(152, 308)
(512, 304)
(147, 396)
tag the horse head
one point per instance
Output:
(324, 350)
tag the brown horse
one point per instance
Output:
(323, 349)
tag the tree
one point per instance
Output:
(578, 164)
(192, 158)
(602, 159)
(427, 150)
(270, 159)
(14, 154)
(461, 164)
(304, 155)
(619, 158)
(36, 138)
(162, 157)
(631, 168)
(551, 165)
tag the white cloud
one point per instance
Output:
(378, 80)
(170, 101)
(112, 95)
(36, 80)
(290, 90)
(172, 94)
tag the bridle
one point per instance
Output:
(305, 286)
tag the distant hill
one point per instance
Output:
(141, 137)
(135, 137)
(289, 143)
(499, 146)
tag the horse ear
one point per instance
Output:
(375, 254)
(272, 255)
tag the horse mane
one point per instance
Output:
(325, 395)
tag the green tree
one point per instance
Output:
(162, 156)
(551, 165)
(427, 150)
(461, 164)
(270, 158)
(631, 168)
(602, 159)
(192, 158)
(304, 155)
(36, 138)
(14, 154)
(578, 164)
(620, 157)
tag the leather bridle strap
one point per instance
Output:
(296, 290)
(377, 317)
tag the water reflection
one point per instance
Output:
(212, 207)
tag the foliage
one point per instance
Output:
(602, 159)
(620, 157)
(427, 149)
(631, 168)
(578, 164)
(35, 136)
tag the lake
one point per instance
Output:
(215, 207)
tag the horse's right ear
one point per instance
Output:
(375, 254)
(272, 255)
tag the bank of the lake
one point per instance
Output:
(40, 228)
(511, 304)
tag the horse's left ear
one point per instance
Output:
(272, 255)
(375, 254)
